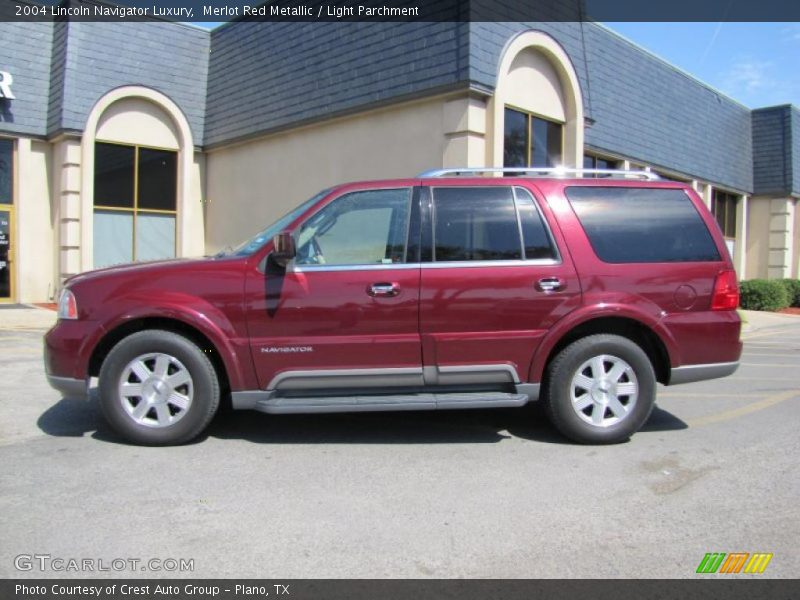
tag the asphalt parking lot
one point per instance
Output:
(450, 494)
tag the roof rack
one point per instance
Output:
(542, 172)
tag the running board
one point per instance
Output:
(423, 401)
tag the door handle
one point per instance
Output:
(549, 284)
(383, 290)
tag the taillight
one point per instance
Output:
(726, 292)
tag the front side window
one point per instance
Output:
(642, 225)
(360, 228)
(723, 207)
(530, 141)
(135, 203)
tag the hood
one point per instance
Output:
(134, 268)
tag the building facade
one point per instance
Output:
(140, 141)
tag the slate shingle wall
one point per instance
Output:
(25, 52)
(795, 157)
(771, 149)
(266, 75)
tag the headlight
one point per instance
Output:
(67, 306)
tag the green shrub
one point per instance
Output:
(763, 294)
(793, 289)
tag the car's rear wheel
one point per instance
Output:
(600, 389)
(158, 388)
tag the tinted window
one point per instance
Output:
(545, 143)
(475, 224)
(515, 143)
(723, 206)
(360, 228)
(529, 141)
(113, 175)
(534, 233)
(158, 179)
(6, 171)
(641, 225)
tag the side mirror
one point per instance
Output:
(284, 249)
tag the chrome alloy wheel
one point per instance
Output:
(156, 390)
(604, 390)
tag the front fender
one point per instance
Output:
(648, 315)
(193, 312)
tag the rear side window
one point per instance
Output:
(538, 244)
(475, 224)
(642, 225)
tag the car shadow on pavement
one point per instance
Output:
(71, 417)
(76, 418)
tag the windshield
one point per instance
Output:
(247, 247)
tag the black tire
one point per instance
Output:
(558, 391)
(204, 383)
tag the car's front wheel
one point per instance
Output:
(601, 389)
(158, 388)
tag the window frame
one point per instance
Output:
(529, 117)
(135, 210)
(293, 267)
(430, 226)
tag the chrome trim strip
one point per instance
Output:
(691, 373)
(466, 264)
(471, 264)
(293, 268)
(326, 378)
(68, 387)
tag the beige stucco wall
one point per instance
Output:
(534, 86)
(35, 280)
(252, 184)
(137, 121)
(758, 213)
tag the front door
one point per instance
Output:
(496, 283)
(6, 254)
(345, 312)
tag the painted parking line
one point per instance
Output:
(770, 365)
(771, 354)
(706, 395)
(735, 413)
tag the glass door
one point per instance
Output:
(6, 255)
(6, 220)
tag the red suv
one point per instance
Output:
(451, 290)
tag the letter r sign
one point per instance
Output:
(5, 85)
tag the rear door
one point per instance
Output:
(495, 278)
